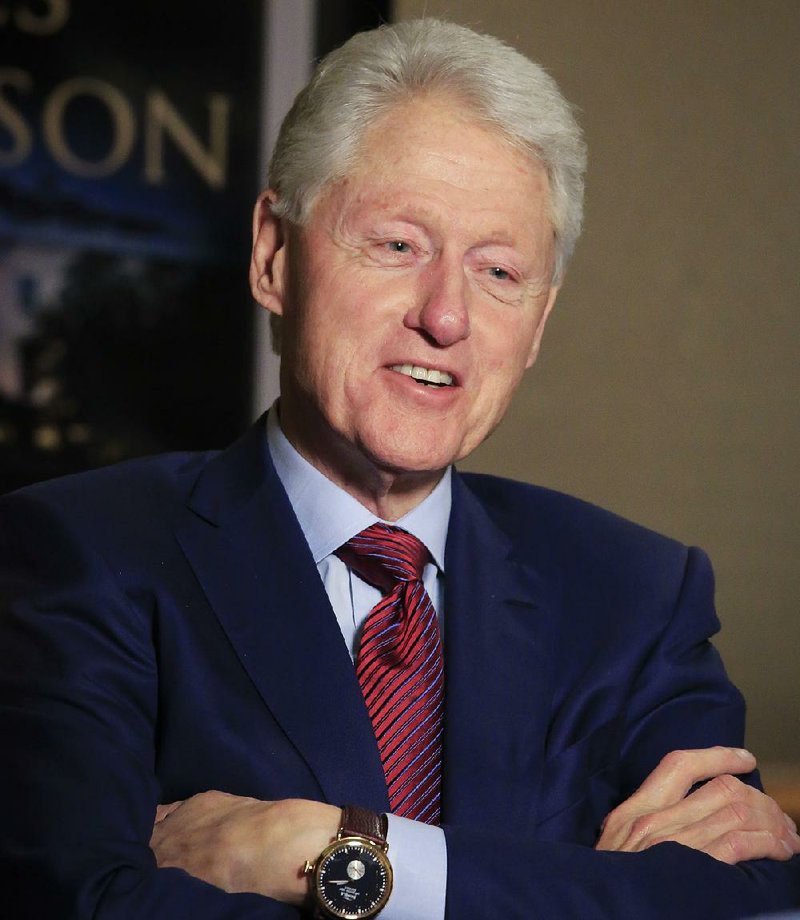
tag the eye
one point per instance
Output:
(392, 252)
(499, 273)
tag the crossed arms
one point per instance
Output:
(83, 706)
(243, 844)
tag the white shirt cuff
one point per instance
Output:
(418, 854)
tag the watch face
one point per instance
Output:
(353, 880)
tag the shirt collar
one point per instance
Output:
(329, 516)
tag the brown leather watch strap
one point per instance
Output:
(361, 822)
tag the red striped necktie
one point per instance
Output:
(400, 668)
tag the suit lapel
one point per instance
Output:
(250, 556)
(498, 641)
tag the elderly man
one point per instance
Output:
(323, 672)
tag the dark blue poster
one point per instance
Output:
(128, 166)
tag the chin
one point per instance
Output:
(412, 458)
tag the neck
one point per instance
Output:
(389, 494)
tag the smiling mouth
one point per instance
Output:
(428, 376)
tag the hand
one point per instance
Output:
(725, 818)
(242, 844)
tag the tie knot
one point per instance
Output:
(384, 556)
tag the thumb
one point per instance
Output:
(164, 811)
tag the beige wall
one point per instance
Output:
(668, 383)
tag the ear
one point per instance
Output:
(268, 260)
(537, 336)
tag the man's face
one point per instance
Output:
(434, 255)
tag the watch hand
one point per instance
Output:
(337, 881)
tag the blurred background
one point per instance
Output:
(667, 385)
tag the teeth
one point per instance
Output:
(424, 374)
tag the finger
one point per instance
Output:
(665, 788)
(738, 818)
(719, 811)
(678, 771)
(741, 807)
(737, 846)
(745, 805)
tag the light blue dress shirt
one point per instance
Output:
(329, 517)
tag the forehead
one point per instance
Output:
(436, 120)
(433, 151)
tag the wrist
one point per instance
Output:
(293, 828)
(352, 876)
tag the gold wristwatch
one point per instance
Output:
(352, 877)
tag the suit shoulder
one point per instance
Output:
(148, 482)
(523, 510)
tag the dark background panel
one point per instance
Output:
(337, 21)
(126, 324)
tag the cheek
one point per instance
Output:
(334, 366)
(505, 351)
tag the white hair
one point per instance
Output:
(353, 86)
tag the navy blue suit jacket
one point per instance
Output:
(164, 631)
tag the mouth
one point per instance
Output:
(427, 376)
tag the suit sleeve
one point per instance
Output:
(79, 725)
(681, 699)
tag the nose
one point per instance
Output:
(441, 311)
